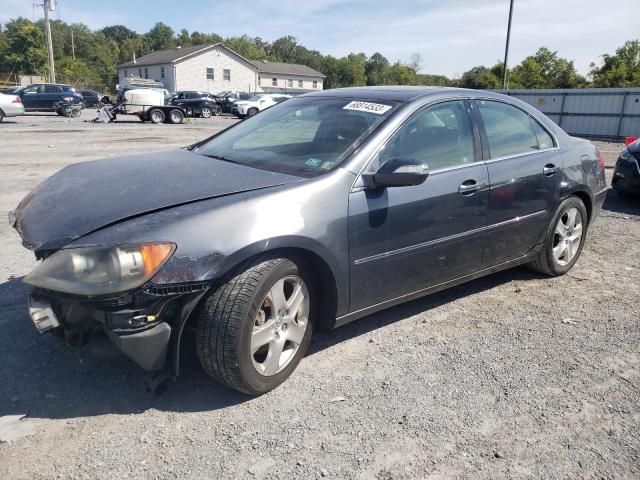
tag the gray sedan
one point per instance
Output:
(314, 213)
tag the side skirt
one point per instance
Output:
(350, 317)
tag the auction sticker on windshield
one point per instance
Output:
(377, 108)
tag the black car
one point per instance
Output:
(227, 99)
(318, 211)
(91, 98)
(197, 103)
(626, 175)
(46, 97)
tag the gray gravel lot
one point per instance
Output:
(511, 376)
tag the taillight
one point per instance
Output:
(17, 100)
(600, 159)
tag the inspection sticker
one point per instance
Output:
(376, 108)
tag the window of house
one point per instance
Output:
(315, 84)
(441, 136)
(140, 72)
(146, 73)
(299, 83)
(274, 82)
(161, 72)
(126, 73)
(259, 80)
(210, 75)
(509, 129)
(226, 74)
(290, 83)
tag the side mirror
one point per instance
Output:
(398, 172)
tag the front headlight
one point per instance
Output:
(100, 270)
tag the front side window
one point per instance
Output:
(274, 82)
(32, 89)
(302, 136)
(210, 74)
(226, 74)
(509, 129)
(440, 136)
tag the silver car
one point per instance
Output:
(10, 106)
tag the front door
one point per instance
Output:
(32, 97)
(525, 170)
(405, 239)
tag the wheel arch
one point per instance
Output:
(583, 194)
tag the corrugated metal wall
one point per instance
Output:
(611, 113)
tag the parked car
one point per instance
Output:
(197, 103)
(91, 98)
(321, 210)
(257, 103)
(10, 106)
(10, 90)
(626, 175)
(43, 97)
(229, 98)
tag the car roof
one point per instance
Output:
(402, 93)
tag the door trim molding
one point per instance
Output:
(433, 243)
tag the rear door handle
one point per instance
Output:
(549, 169)
(469, 187)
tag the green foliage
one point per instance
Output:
(98, 53)
(619, 70)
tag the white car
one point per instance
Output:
(10, 106)
(257, 103)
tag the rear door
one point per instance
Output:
(405, 239)
(524, 173)
(52, 94)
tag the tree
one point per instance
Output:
(25, 51)
(351, 70)
(284, 49)
(480, 78)
(376, 69)
(246, 47)
(198, 38)
(184, 39)
(160, 37)
(401, 74)
(621, 69)
(119, 33)
(78, 73)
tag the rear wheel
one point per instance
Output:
(206, 112)
(251, 112)
(565, 239)
(255, 328)
(156, 116)
(176, 116)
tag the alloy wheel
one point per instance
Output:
(567, 236)
(206, 112)
(280, 325)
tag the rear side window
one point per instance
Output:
(544, 139)
(509, 129)
(52, 89)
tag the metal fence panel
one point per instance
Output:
(610, 113)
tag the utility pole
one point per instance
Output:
(47, 29)
(73, 46)
(506, 49)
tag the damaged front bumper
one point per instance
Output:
(146, 326)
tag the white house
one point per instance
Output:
(215, 67)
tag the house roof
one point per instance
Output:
(286, 68)
(167, 56)
(175, 55)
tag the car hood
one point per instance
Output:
(85, 197)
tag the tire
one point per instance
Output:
(60, 112)
(217, 110)
(175, 116)
(251, 112)
(242, 341)
(156, 116)
(205, 112)
(568, 228)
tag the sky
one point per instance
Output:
(451, 36)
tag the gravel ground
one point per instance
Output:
(511, 376)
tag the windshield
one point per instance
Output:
(302, 136)
(255, 98)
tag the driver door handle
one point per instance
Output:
(469, 187)
(549, 169)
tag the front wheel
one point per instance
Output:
(251, 112)
(254, 329)
(565, 239)
(206, 112)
